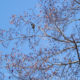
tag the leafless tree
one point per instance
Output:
(45, 45)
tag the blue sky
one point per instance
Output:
(10, 7)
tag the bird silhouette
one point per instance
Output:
(33, 25)
(70, 62)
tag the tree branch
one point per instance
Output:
(59, 64)
(76, 47)
(77, 1)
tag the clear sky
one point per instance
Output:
(10, 7)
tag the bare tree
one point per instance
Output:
(45, 46)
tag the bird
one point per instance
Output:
(70, 62)
(33, 25)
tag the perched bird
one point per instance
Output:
(70, 62)
(33, 25)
